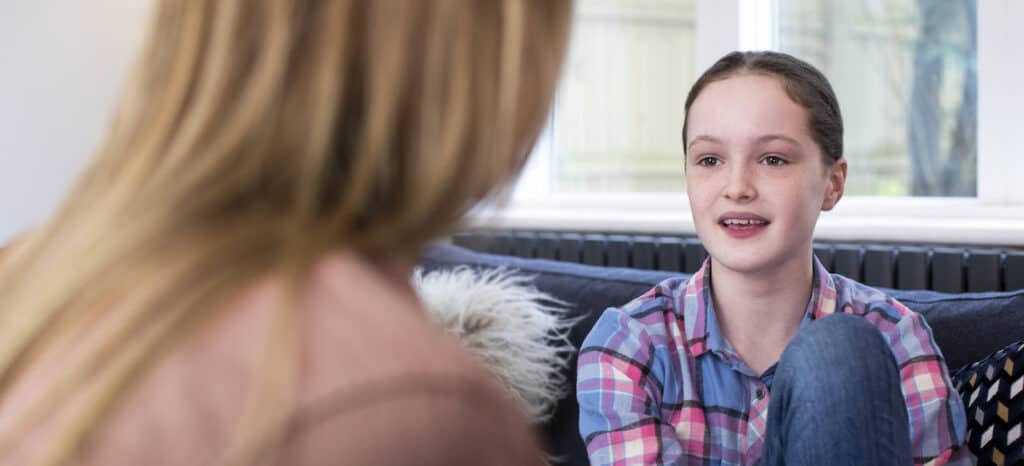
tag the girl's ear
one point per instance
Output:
(836, 184)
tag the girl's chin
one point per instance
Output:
(745, 259)
(754, 259)
(743, 264)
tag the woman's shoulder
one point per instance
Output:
(363, 324)
(365, 350)
(353, 322)
(377, 369)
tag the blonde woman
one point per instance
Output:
(228, 283)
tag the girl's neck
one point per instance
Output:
(759, 313)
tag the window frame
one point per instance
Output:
(994, 218)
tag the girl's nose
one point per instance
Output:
(739, 186)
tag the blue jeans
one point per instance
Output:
(836, 399)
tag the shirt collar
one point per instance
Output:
(702, 332)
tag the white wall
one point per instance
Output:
(61, 64)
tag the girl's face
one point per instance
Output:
(755, 178)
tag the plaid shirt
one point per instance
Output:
(659, 384)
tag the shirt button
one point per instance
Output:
(759, 394)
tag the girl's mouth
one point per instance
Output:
(743, 226)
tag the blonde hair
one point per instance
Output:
(257, 136)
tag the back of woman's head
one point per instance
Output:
(807, 86)
(258, 135)
(372, 125)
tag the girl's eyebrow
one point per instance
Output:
(776, 137)
(760, 140)
(703, 137)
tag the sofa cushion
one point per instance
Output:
(993, 393)
(966, 326)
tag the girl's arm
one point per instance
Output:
(937, 419)
(619, 397)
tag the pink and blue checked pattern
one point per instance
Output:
(659, 384)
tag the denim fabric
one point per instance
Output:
(829, 408)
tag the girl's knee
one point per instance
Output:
(846, 344)
(845, 333)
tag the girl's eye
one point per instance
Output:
(708, 162)
(774, 160)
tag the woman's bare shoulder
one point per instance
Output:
(391, 387)
(366, 325)
(378, 383)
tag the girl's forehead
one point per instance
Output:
(746, 106)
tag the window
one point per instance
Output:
(619, 111)
(905, 72)
(930, 91)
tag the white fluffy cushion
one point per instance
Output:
(518, 331)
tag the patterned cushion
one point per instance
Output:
(993, 393)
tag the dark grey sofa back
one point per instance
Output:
(966, 326)
(946, 269)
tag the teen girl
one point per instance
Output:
(763, 356)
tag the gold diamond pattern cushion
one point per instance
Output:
(993, 393)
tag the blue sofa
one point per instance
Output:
(967, 326)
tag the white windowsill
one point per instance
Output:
(959, 221)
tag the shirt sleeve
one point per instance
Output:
(619, 398)
(938, 422)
